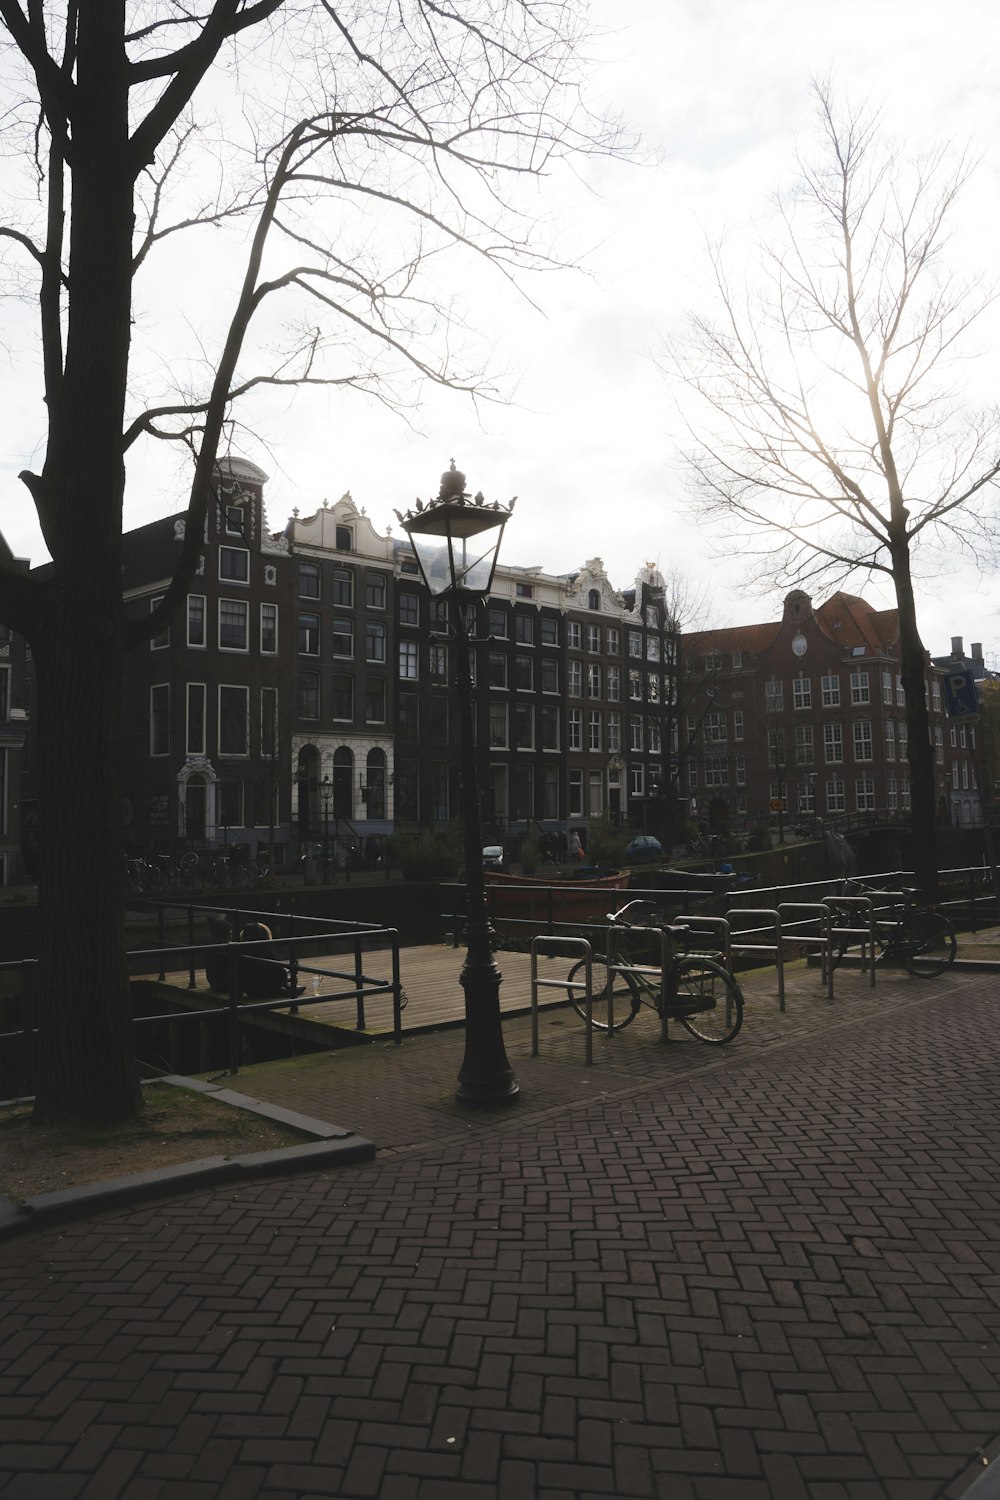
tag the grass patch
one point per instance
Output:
(175, 1126)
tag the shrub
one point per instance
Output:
(605, 845)
(422, 855)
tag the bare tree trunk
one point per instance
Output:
(86, 1050)
(86, 1055)
(923, 802)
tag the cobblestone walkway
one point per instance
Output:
(777, 1275)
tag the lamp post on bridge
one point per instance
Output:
(456, 539)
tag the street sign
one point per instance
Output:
(960, 693)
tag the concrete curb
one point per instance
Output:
(333, 1147)
(980, 1480)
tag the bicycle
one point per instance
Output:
(920, 938)
(189, 876)
(692, 988)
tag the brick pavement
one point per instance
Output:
(770, 1272)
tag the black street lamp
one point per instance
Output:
(456, 540)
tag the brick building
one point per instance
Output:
(972, 747)
(804, 716)
(306, 692)
(204, 748)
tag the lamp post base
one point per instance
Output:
(485, 1079)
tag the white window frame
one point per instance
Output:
(235, 578)
(196, 689)
(241, 605)
(268, 650)
(162, 641)
(864, 792)
(155, 688)
(307, 650)
(409, 653)
(201, 645)
(805, 745)
(496, 713)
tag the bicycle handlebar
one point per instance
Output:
(620, 919)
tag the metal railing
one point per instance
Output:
(577, 945)
(293, 954)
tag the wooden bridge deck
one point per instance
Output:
(430, 981)
(434, 996)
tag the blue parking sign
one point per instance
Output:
(960, 693)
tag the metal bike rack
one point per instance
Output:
(866, 934)
(575, 945)
(668, 946)
(818, 912)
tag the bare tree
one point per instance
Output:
(361, 145)
(687, 699)
(832, 440)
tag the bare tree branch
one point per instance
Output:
(827, 439)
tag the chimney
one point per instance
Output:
(956, 647)
(977, 651)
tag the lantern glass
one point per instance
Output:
(456, 547)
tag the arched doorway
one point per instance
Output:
(376, 783)
(307, 782)
(194, 810)
(343, 784)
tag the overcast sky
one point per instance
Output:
(719, 89)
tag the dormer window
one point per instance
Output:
(594, 599)
(344, 539)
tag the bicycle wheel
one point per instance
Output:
(708, 986)
(622, 1003)
(926, 944)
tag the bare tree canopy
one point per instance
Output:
(829, 425)
(331, 160)
(830, 434)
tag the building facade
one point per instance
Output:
(804, 718)
(305, 692)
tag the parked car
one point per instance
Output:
(643, 849)
(493, 857)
